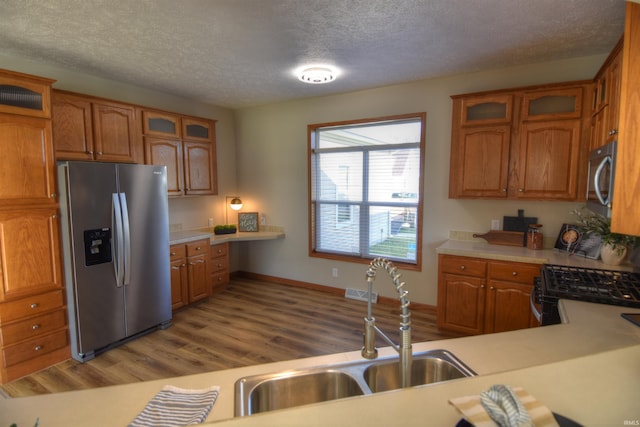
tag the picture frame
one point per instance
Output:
(248, 221)
(573, 241)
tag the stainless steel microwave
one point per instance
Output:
(602, 169)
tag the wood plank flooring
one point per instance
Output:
(250, 322)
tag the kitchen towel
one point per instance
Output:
(474, 412)
(174, 407)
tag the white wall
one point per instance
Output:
(272, 172)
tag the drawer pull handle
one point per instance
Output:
(173, 267)
(34, 305)
(173, 254)
(219, 251)
(197, 248)
(38, 348)
(492, 288)
(515, 273)
(462, 267)
(35, 327)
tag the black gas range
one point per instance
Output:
(584, 284)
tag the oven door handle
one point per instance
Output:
(532, 303)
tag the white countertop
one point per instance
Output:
(481, 249)
(187, 236)
(587, 369)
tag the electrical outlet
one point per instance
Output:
(495, 224)
(334, 272)
(210, 222)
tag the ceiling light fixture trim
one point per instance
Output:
(317, 74)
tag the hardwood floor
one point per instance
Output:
(251, 322)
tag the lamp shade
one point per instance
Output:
(236, 204)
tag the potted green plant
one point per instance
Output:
(225, 229)
(614, 245)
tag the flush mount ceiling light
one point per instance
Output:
(317, 74)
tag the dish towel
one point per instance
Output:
(175, 407)
(505, 407)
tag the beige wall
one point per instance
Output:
(272, 172)
(262, 155)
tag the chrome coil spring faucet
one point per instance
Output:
(369, 350)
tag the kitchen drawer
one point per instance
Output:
(219, 250)
(177, 252)
(30, 306)
(219, 264)
(36, 347)
(220, 278)
(513, 272)
(462, 265)
(198, 248)
(32, 327)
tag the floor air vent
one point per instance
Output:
(360, 295)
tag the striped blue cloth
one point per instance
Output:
(504, 407)
(176, 407)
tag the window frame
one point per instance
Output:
(311, 224)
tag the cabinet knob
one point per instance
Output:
(173, 267)
(197, 248)
(53, 195)
(219, 251)
(173, 254)
(514, 273)
(492, 288)
(90, 152)
(37, 348)
(520, 190)
(34, 305)
(35, 327)
(219, 265)
(481, 286)
(613, 132)
(99, 153)
(504, 190)
(183, 265)
(462, 267)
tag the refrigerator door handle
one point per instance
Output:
(127, 239)
(116, 225)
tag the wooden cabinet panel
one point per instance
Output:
(29, 245)
(199, 159)
(533, 150)
(186, 146)
(179, 284)
(486, 296)
(25, 95)
(199, 284)
(26, 169)
(33, 348)
(480, 162)
(32, 305)
(625, 216)
(461, 305)
(72, 127)
(507, 307)
(33, 327)
(89, 128)
(219, 266)
(548, 167)
(114, 132)
(166, 152)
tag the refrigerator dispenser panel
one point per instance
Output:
(97, 246)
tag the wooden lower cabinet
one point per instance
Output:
(190, 277)
(219, 266)
(477, 296)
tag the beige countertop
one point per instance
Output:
(481, 249)
(586, 369)
(187, 236)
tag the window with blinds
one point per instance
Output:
(365, 188)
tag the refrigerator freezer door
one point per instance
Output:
(147, 265)
(96, 303)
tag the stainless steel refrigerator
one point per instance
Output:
(115, 232)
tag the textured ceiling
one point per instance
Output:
(237, 53)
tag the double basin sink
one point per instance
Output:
(268, 392)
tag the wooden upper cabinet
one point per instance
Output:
(160, 124)
(548, 164)
(480, 162)
(198, 129)
(486, 109)
(26, 161)
(72, 127)
(186, 146)
(167, 152)
(88, 128)
(519, 143)
(606, 103)
(625, 216)
(24, 94)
